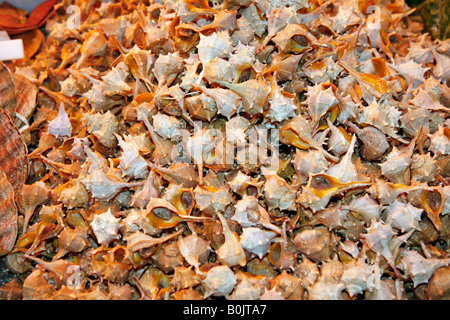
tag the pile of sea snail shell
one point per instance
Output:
(116, 175)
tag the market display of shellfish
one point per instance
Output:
(225, 149)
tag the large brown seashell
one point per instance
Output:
(7, 91)
(13, 153)
(26, 94)
(8, 216)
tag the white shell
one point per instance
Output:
(231, 252)
(346, 16)
(194, 249)
(219, 282)
(132, 163)
(103, 126)
(377, 238)
(105, 227)
(403, 216)
(413, 119)
(396, 167)
(411, 70)
(319, 101)
(329, 72)
(345, 170)
(272, 294)
(440, 143)
(384, 289)
(70, 86)
(252, 15)
(442, 69)
(60, 126)
(365, 207)
(249, 287)
(103, 186)
(190, 76)
(277, 192)
(307, 271)
(306, 162)
(166, 126)
(244, 33)
(167, 67)
(423, 167)
(236, 129)
(419, 54)
(151, 189)
(241, 181)
(97, 97)
(212, 201)
(325, 290)
(358, 277)
(217, 45)
(337, 143)
(137, 221)
(218, 69)
(280, 107)
(256, 241)
(249, 213)
(115, 80)
(350, 247)
(227, 101)
(382, 116)
(420, 269)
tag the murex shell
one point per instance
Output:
(235, 149)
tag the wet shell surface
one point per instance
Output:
(229, 149)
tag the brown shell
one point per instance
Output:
(29, 197)
(8, 215)
(13, 152)
(26, 94)
(7, 91)
(438, 287)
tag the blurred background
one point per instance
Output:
(434, 13)
(28, 5)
